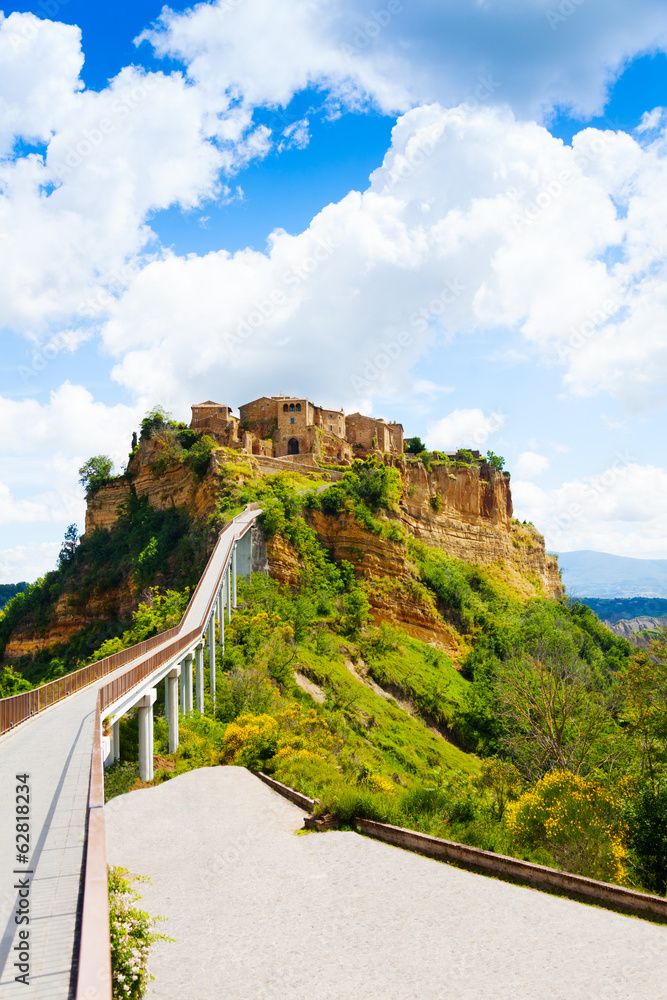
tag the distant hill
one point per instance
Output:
(8, 590)
(599, 574)
(627, 608)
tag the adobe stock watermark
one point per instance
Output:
(100, 301)
(558, 15)
(592, 492)
(127, 101)
(265, 308)
(366, 33)
(486, 87)
(41, 358)
(599, 315)
(528, 212)
(30, 26)
(388, 354)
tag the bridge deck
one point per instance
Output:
(262, 914)
(54, 748)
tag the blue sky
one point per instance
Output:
(399, 154)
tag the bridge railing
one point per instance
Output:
(94, 969)
(20, 707)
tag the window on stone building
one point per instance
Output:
(291, 408)
(291, 420)
(298, 407)
(285, 408)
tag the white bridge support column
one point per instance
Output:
(199, 664)
(221, 617)
(211, 654)
(186, 667)
(181, 690)
(145, 707)
(244, 554)
(228, 591)
(234, 574)
(172, 706)
(115, 742)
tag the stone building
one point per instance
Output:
(216, 420)
(296, 427)
(368, 434)
(279, 426)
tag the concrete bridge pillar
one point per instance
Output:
(221, 615)
(171, 703)
(186, 666)
(115, 742)
(228, 589)
(211, 654)
(234, 559)
(181, 690)
(244, 553)
(145, 707)
(199, 663)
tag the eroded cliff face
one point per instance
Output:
(176, 487)
(69, 618)
(466, 512)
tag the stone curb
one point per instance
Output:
(578, 887)
(290, 793)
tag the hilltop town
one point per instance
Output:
(289, 426)
(278, 426)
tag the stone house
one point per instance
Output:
(216, 420)
(368, 434)
(296, 427)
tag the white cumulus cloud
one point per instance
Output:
(463, 429)
(530, 464)
(620, 510)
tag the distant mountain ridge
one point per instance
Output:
(599, 574)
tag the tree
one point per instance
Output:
(643, 693)
(648, 835)
(496, 462)
(555, 716)
(155, 420)
(69, 545)
(94, 472)
(414, 446)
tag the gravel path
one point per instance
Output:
(262, 914)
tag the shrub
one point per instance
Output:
(132, 935)
(648, 836)
(576, 820)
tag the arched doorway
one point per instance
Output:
(292, 447)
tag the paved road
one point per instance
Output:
(54, 748)
(262, 914)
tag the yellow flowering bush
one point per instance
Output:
(574, 818)
(245, 730)
(253, 740)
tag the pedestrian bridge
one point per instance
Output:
(57, 738)
(257, 912)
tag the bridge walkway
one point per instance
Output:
(259, 913)
(54, 748)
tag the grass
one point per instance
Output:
(421, 673)
(405, 744)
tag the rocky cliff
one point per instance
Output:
(465, 511)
